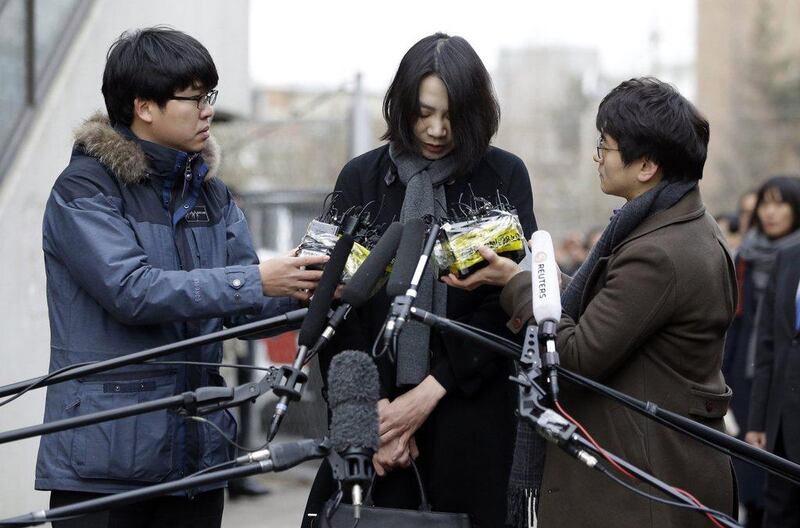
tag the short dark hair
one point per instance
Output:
(473, 108)
(650, 119)
(153, 63)
(788, 187)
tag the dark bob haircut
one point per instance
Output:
(788, 189)
(650, 119)
(152, 64)
(473, 109)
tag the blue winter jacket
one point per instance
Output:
(143, 247)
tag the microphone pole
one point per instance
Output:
(711, 437)
(201, 401)
(286, 319)
(277, 457)
(546, 302)
(401, 306)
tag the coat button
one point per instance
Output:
(709, 406)
(236, 283)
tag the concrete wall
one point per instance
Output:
(75, 94)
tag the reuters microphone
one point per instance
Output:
(546, 297)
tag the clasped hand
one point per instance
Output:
(399, 421)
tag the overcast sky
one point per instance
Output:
(324, 43)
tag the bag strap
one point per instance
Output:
(423, 497)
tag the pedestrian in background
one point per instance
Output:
(774, 344)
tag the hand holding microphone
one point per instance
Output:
(285, 276)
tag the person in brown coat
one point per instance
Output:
(646, 314)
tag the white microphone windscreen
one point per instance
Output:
(546, 292)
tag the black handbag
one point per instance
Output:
(376, 517)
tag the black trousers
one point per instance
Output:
(782, 498)
(201, 511)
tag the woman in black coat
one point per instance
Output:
(446, 403)
(776, 225)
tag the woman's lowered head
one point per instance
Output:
(441, 102)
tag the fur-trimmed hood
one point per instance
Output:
(124, 157)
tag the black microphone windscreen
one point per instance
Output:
(408, 253)
(360, 286)
(353, 390)
(317, 316)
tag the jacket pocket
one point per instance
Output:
(709, 404)
(136, 448)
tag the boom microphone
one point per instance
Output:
(401, 305)
(321, 302)
(366, 278)
(546, 301)
(408, 253)
(293, 378)
(353, 397)
(364, 281)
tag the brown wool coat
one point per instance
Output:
(654, 316)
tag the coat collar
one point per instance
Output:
(688, 208)
(131, 159)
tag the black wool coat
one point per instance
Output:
(466, 444)
(775, 403)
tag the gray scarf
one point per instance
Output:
(423, 179)
(759, 252)
(529, 448)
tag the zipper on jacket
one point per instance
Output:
(187, 173)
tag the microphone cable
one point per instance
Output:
(41, 380)
(709, 512)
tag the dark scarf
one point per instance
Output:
(758, 253)
(423, 179)
(625, 220)
(528, 465)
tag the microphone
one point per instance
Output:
(353, 397)
(360, 287)
(293, 378)
(401, 306)
(546, 301)
(321, 302)
(408, 253)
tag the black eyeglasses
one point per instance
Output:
(601, 147)
(210, 98)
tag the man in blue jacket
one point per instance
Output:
(144, 246)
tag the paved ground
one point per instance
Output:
(282, 508)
